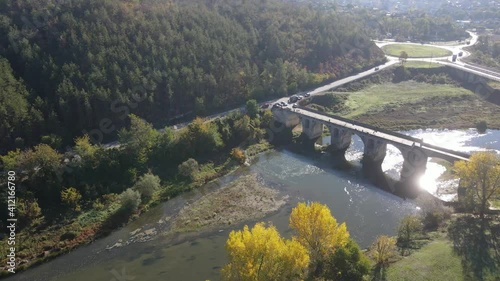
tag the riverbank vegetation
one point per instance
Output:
(160, 60)
(321, 249)
(434, 244)
(65, 200)
(408, 98)
(462, 246)
(415, 51)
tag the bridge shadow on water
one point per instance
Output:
(369, 172)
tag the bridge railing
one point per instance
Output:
(389, 132)
(458, 153)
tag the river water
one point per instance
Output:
(367, 211)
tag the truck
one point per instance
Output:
(454, 58)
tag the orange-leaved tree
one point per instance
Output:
(262, 254)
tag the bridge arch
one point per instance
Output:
(393, 162)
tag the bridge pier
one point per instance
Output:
(279, 133)
(373, 156)
(311, 131)
(414, 166)
(340, 142)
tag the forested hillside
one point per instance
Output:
(415, 26)
(86, 60)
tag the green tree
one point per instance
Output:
(200, 138)
(147, 185)
(267, 118)
(252, 108)
(481, 178)
(84, 148)
(139, 138)
(10, 160)
(189, 168)
(409, 227)
(347, 263)
(403, 57)
(130, 200)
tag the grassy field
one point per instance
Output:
(412, 105)
(422, 64)
(376, 98)
(415, 51)
(434, 262)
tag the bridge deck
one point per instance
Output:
(390, 137)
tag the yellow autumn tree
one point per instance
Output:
(318, 230)
(262, 254)
(383, 249)
(481, 178)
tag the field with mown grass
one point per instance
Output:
(415, 51)
(422, 64)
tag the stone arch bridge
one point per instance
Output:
(415, 151)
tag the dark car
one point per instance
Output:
(295, 105)
(307, 95)
(293, 99)
(265, 105)
(283, 103)
(276, 105)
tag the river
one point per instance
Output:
(367, 211)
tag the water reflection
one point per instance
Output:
(460, 140)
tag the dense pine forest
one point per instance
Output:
(67, 65)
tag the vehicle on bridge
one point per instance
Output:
(293, 99)
(454, 58)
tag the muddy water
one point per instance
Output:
(368, 212)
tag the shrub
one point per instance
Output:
(28, 210)
(130, 200)
(189, 168)
(70, 197)
(481, 127)
(147, 185)
(433, 212)
(238, 155)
